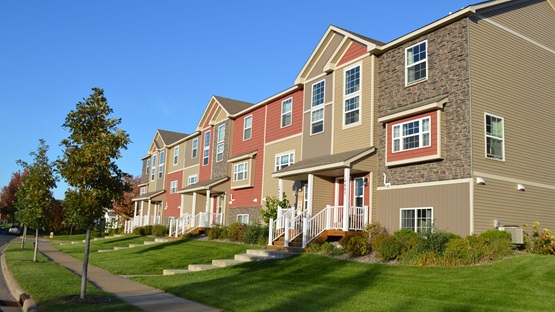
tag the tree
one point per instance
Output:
(8, 197)
(273, 203)
(88, 165)
(124, 207)
(34, 196)
(56, 221)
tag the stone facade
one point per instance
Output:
(448, 74)
(220, 168)
(255, 217)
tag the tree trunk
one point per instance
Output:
(24, 237)
(36, 245)
(85, 265)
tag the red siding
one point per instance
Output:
(354, 51)
(418, 152)
(205, 172)
(173, 200)
(274, 131)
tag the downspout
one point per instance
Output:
(471, 192)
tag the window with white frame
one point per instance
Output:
(194, 148)
(411, 134)
(153, 171)
(243, 218)
(192, 179)
(286, 112)
(419, 220)
(416, 65)
(173, 187)
(318, 93)
(351, 107)
(240, 171)
(358, 192)
(495, 143)
(220, 141)
(147, 166)
(284, 160)
(206, 149)
(317, 113)
(317, 121)
(161, 165)
(247, 128)
(175, 155)
(143, 190)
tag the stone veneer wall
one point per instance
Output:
(219, 169)
(448, 74)
(255, 216)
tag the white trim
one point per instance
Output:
(176, 170)
(415, 209)
(310, 194)
(172, 189)
(283, 139)
(189, 179)
(414, 111)
(512, 180)
(279, 155)
(176, 156)
(420, 134)
(425, 184)
(245, 171)
(486, 137)
(352, 95)
(218, 134)
(193, 148)
(372, 99)
(242, 215)
(192, 166)
(471, 208)
(290, 113)
(206, 147)
(250, 127)
(407, 83)
(242, 157)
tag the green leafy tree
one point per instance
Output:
(88, 165)
(34, 196)
(272, 205)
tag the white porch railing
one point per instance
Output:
(277, 226)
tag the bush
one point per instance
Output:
(376, 240)
(357, 246)
(236, 231)
(343, 241)
(159, 230)
(458, 252)
(495, 234)
(390, 248)
(214, 232)
(148, 229)
(434, 242)
(140, 231)
(407, 238)
(256, 234)
(321, 248)
(428, 258)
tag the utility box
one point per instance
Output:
(517, 233)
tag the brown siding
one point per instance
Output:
(188, 150)
(324, 189)
(318, 144)
(271, 184)
(321, 61)
(450, 203)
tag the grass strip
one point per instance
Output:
(315, 283)
(50, 284)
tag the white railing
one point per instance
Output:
(277, 226)
(180, 225)
(216, 219)
(296, 225)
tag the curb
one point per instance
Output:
(28, 304)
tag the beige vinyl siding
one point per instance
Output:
(323, 191)
(189, 172)
(450, 203)
(514, 79)
(328, 48)
(181, 156)
(319, 144)
(271, 150)
(358, 136)
(188, 203)
(500, 200)
(188, 150)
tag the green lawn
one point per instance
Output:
(315, 283)
(102, 244)
(153, 259)
(49, 284)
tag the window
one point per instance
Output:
(416, 67)
(412, 134)
(161, 165)
(240, 171)
(286, 108)
(220, 146)
(317, 121)
(495, 144)
(147, 166)
(143, 190)
(153, 172)
(352, 96)
(247, 128)
(243, 218)
(318, 93)
(173, 187)
(284, 160)
(317, 114)
(206, 149)
(192, 179)
(417, 219)
(359, 192)
(175, 155)
(194, 148)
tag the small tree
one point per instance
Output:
(124, 207)
(34, 196)
(8, 197)
(272, 205)
(88, 165)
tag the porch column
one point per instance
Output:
(346, 198)
(207, 208)
(135, 211)
(280, 189)
(141, 219)
(156, 212)
(310, 193)
(181, 205)
(148, 214)
(194, 209)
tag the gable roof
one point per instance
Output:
(232, 106)
(170, 137)
(219, 108)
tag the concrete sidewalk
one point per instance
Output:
(143, 297)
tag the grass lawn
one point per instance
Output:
(102, 244)
(153, 259)
(315, 283)
(49, 284)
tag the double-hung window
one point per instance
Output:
(192, 179)
(143, 191)
(416, 63)
(175, 155)
(147, 170)
(358, 193)
(220, 141)
(284, 160)
(240, 171)
(412, 134)
(243, 218)
(173, 187)
(419, 220)
(495, 144)
(194, 148)
(153, 171)
(351, 103)
(161, 165)
(206, 149)
(317, 113)
(247, 128)
(286, 112)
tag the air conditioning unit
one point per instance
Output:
(517, 233)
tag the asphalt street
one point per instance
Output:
(7, 302)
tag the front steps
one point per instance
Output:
(251, 255)
(156, 241)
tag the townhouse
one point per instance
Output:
(438, 128)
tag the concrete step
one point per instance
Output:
(120, 248)
(135, 245)
(247, 257)
(105, 250)
(201, 267)
(162, 240)
(277, 254)
(149, 242)
(225, 262)
(175, 271)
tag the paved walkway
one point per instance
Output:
(143, 297)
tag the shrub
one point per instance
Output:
(159, 230)
(434, 242)
(140, 231)
(390, 248)
(494, 234)
(457, 252)
(224, 232)
(343, 241)
(236, 231)
(428, 258)
(357, 246)
(376, 240)
(542, 243)
(321, 248)
(214, 232)
(407, 238)
(256, 234)
(148, 229)
(188, 236)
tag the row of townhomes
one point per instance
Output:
(438, 128)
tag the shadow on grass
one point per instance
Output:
(160, 246)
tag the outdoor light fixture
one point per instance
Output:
(480, 181)
(520, 187)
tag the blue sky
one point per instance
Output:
(159, 62)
